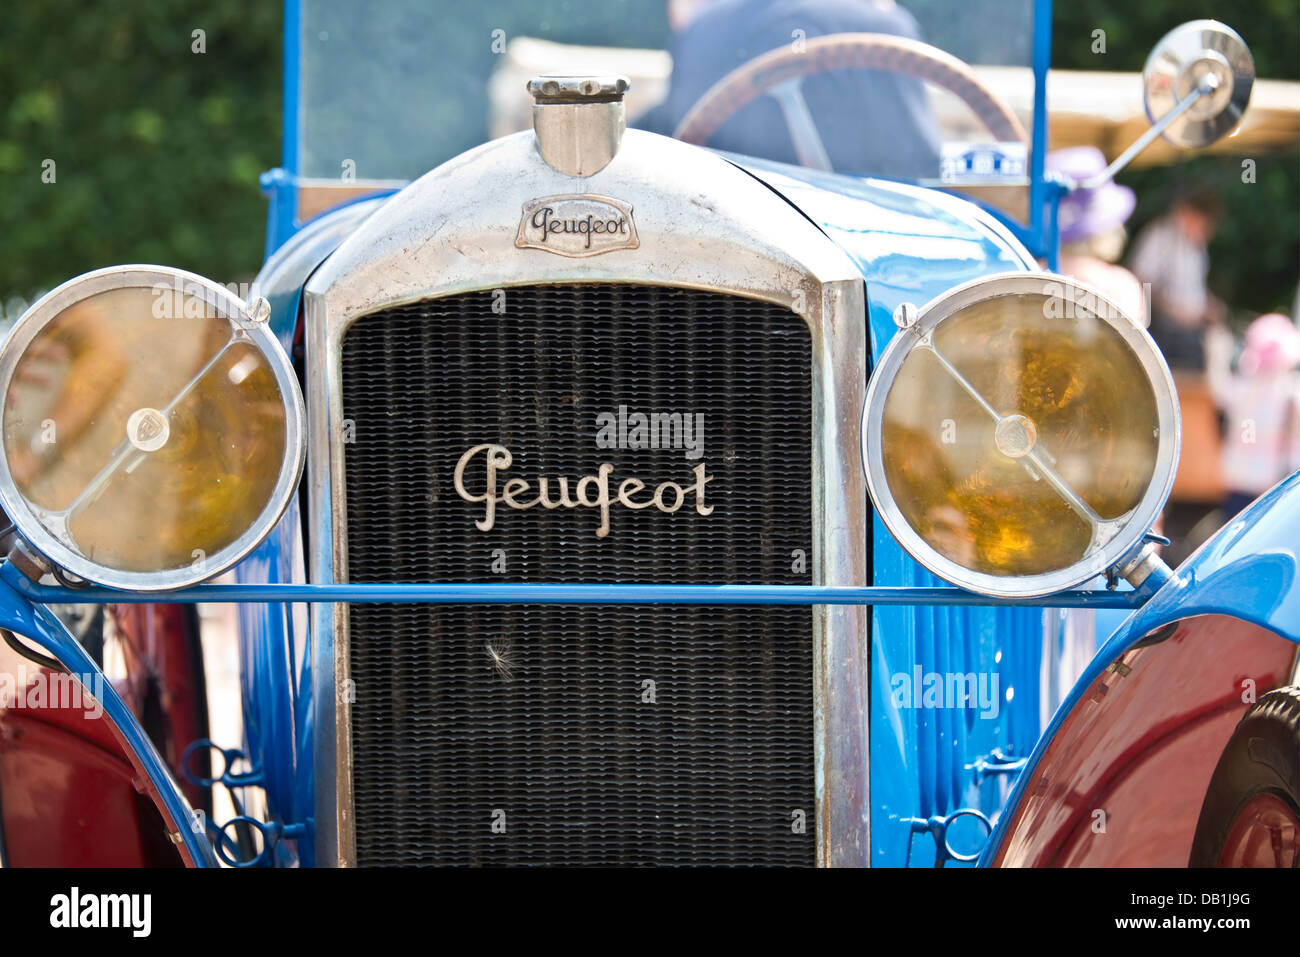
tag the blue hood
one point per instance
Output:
(911, 243)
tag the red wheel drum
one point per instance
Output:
(1121, 784)
(68, 796)
(1266, 833)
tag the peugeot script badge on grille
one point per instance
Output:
(591, 491)
(577, 225)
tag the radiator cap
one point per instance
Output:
(579, 121)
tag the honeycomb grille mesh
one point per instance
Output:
(579, 735)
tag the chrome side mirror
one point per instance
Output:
(1196, 84)
(1203, 55)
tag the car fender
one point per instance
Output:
(1119, 776)
(40, 626)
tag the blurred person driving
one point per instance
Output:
(1261, 403)
(1172, 254)
(870, 121)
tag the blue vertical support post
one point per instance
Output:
(281, 185)
(1043, 235)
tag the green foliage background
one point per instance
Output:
(158, 149)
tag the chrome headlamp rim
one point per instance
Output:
(1141, 518)
(229, 305)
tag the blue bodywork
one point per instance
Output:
(275, 652)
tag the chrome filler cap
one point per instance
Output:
(579, 121)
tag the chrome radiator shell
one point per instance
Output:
(701, 223)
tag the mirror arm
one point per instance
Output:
(1207, 86)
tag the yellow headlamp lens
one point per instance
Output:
(145, 429)
(1020, 434)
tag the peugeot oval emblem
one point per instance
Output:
(577, 225)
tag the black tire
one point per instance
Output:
(1261, 758)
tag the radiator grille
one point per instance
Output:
(581, 735)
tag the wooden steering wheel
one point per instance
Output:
(780, 74)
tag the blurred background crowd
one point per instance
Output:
(1237, 371)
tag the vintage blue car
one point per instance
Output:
(596, 497)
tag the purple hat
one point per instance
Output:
(1085, 213)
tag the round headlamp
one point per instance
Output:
(152, 427)
(1020, 434)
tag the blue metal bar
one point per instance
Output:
(1042, 236)
(1053, 239)
(290, 155)
(491, 594)
(281, 191)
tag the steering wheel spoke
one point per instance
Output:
(808, 145)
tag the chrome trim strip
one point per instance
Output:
(331, 756)
(702, 224)
(841, 682)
